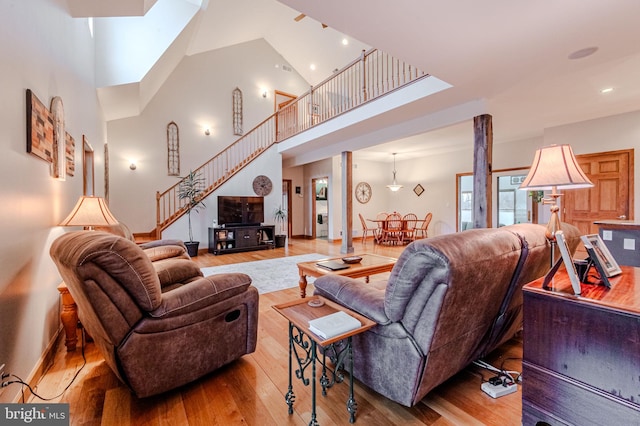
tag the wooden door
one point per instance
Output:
(286, 121)
(611, 196)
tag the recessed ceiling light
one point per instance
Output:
(345, 41)
(313, 67)
(583, 53)
(607, 90)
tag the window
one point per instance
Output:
(512, 202)
(511, 205)
(465, 202)
(237, 112)
(173, 150)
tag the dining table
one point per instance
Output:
(383, 230)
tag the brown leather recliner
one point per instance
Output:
(449, 300)
(155, 334)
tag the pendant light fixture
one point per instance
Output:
(394, 186)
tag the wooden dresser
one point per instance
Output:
(581, 355)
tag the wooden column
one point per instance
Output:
(347, 203)
(482, 170)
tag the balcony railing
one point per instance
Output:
(372, 75)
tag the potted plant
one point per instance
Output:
(191, 189)
(280, 217)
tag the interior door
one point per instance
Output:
(286, 201)
(287, 120)
(88, 167)
(611, 196)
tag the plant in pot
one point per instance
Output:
(280, 216)
(191, 189)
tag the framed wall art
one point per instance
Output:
(173, 149)
(237, 111)
(39, 129)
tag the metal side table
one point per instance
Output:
(303, 348)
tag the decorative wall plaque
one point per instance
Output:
(418, 189)
(39, 129)
(173, 149)
(237, 112)
(69, 153)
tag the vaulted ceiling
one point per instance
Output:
(522, 58)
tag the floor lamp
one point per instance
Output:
(554, 167)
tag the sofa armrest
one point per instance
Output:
(175, 271)
(201, 293)
(353, 294)
(165, 249)
(159, 243)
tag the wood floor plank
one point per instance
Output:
(251, 390)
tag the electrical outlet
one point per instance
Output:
(629, 244)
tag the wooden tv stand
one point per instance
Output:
(241, 238)
(581, 354)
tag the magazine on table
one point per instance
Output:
(334, 324)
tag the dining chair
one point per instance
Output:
(409, 222)
(422, 229)
(366, 229)
(392, 231)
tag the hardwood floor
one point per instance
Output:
(251, 390)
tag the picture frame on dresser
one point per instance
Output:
(601, 258)
(568, 263)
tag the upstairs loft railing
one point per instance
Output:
(370, 76)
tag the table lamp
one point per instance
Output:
(89, 212)
(554, 167)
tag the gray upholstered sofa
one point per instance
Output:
(157, 328)
(449, 300)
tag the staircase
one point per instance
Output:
(370, 76)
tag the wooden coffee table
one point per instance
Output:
(370, 264)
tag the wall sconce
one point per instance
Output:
(133, 165)
(264, 93)
(207, 131)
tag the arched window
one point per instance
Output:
(237, 112)
(173, 150)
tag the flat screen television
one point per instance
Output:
(240, 211)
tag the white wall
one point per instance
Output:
(268, 164)
(45, 50)
(196, 95)
(603, 134)
(437, 174)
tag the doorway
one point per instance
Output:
(320, 207)
(611, 197)
(88, 167)
(287, 203)
(286, 121)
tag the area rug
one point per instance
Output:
(271, 274)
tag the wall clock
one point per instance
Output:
(363, 192)
(262, 185)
